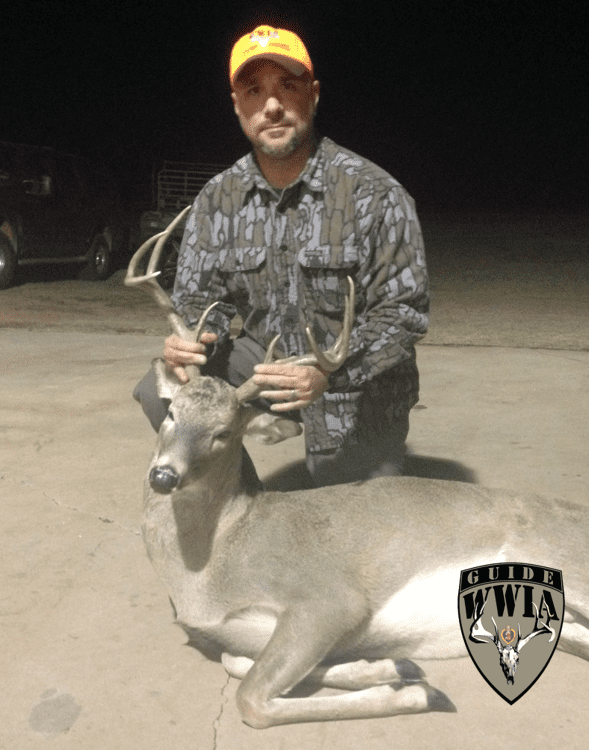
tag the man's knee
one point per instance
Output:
(381, 456)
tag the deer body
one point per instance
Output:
(337, 586)
(337, 575)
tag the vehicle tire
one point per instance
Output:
(99, 265)
(170, 264)
(7, 263)
(167, 264)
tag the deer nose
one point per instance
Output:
(163, 479)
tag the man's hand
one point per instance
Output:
(295, 387)
(178, 353)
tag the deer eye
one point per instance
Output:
(224, 435)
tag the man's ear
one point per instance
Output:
(167, 384)
(316, 91)
(235, 103)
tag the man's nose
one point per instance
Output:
(273, 105)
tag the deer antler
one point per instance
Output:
(149, 283)
(329, 360)
(334, 357)
(545, 628)
(478, 633)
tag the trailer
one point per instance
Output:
(175, 185)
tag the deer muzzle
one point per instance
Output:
(163, 479)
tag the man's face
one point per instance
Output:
(275, 108)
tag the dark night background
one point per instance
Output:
(470, 105)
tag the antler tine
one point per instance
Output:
(148, 280)
(155, 256)
(160, 240)
(195, 334)
(249, 390)
(334, 357)
(193, 371)
(544, 628)
(131, 278)
(270, 353)
(329, 360)
(478, 630)
(149, 283)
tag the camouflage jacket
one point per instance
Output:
(280, 259)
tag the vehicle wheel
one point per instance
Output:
(7, 263)
(167, 265)
(170, 264)
(99, 264)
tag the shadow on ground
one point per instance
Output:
(295, 476)
(430, 467)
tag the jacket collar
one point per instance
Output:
(313, 175)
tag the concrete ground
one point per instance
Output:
(89, 654)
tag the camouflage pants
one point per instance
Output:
(383, 456)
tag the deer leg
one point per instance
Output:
(298, 644)
(355, 675)
(358, 675)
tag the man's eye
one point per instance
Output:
(170, 416)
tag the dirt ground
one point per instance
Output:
(496, 281)
(89, 652)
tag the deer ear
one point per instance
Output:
(167, 383)
(270, 429)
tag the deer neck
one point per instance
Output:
(185, 525)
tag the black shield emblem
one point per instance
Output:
(511, 617)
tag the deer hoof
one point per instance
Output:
(163, 479)
(438, 701)
(408, 671)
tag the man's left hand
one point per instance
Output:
(293, 386)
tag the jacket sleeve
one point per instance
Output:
(393, 284)
(198, 282)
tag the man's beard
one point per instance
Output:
(298, 137)
(285, 149)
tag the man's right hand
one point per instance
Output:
(179, 353)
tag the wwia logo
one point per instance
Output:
(511, 606)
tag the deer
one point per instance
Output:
(333, 587)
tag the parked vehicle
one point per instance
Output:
(175, 186)
(56, 208)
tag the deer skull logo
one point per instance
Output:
(531, 594)
(508, 654)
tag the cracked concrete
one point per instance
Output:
(222, 703)
(99, 518)
(90, 657)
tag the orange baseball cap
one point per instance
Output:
(284, 47)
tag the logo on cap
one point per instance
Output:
(282, 46)
(262, 37)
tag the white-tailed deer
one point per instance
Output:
(338, 586)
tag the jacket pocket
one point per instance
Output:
(245, 269)
(324, 270)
